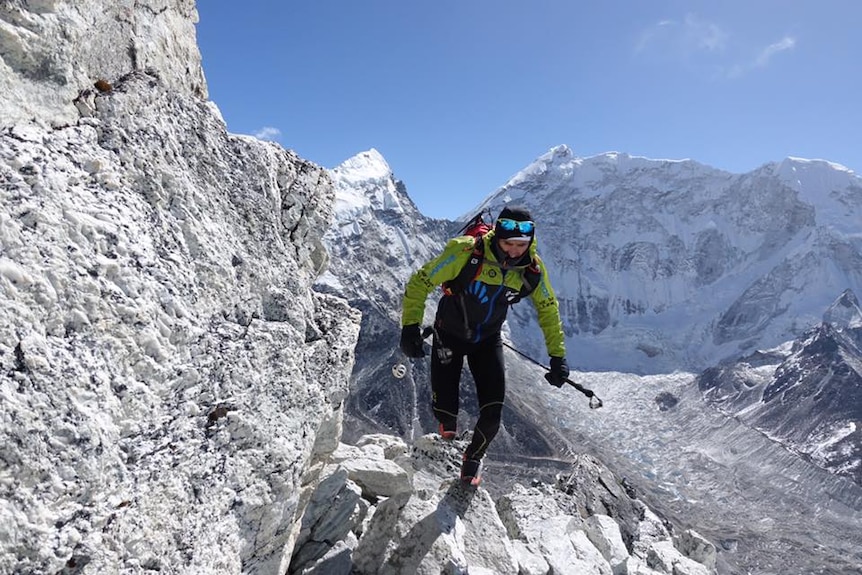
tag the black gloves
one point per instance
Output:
(559, 371)
(411, 341)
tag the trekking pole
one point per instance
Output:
(595, 402)
(399, 370)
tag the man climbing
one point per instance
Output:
(481, 278)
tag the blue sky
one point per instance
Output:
(459, 95)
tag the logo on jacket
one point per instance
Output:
(479, 290)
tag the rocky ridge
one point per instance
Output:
(385, 508)
(806, 394)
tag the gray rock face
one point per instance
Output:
(167, 374)
(52, 50)
(442, 526)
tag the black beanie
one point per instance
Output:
(519, 215)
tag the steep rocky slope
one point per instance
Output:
(167, 374)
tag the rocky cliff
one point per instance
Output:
(167, 374)
(52, 50)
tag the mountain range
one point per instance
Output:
(669, 273)
(664, 265)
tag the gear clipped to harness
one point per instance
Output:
(476, 228)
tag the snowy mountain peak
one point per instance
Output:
(367, 165)
(365, 182)
(795, 162)
(845, 312)
(679, 258)
(802, 173)
(558, 177)
(834, 190)
(562, 152)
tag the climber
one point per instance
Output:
(481, 276)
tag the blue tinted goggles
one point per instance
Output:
(512, 225)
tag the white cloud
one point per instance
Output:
(267, 133)
(682, 39)
(650, 35)
(763, 58)
(786, 43)
(704, 35)
(703, 46)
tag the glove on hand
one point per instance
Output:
(559, 371)
(411, 341)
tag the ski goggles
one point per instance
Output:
(513, 225)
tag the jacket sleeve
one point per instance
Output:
(444, 267)
(548, 310)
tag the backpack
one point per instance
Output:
(477, 227)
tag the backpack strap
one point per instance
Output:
(530, 277)
(470, 271)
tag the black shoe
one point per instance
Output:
(471, 471)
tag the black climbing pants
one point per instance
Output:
(485, 360)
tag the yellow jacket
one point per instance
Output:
(478, 312)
